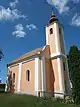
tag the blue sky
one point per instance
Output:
(22, 26)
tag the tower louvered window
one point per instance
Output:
(51, 31)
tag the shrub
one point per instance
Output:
(69, 100)
(58, 99)
(77, 100)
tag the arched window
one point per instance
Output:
(51, 30)
(13, 77)
(28, 75)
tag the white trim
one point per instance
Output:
(26, 60)
(8, 67)
(58, 54)
(59, 94)
(56, 37)
(58, 91)
(61, 75)
(44, 48)
(44, 69)
(43, 73)
(19, 77)
(47, 35)
(37, 74)
(14, 65)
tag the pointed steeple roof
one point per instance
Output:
(53, 18)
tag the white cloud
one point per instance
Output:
(8, 14)
(31, 27)
(76, 20)
(13, 4)
(19, 31)
(61, 5)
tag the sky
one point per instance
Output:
(22, 26)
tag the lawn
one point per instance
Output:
(13, 100)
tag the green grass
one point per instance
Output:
(13, 100)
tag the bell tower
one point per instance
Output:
(55, 39)
(54, 35)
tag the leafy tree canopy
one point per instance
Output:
(74, 70)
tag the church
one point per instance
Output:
(44, 69)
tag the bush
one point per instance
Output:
(69, 100)
(77, 100)
(58, 99)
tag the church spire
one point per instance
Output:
(52, 13)
(53, 18)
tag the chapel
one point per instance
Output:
(44, 69)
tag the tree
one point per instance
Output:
(74, 71)
(1, 55)
(10, 83)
